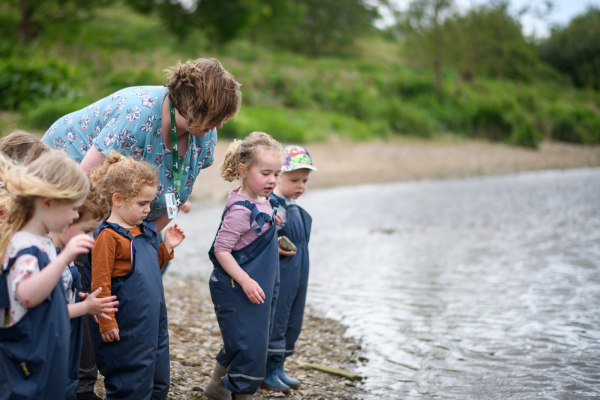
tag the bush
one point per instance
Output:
(29, 78)
(44, 113)
(294, 126)
(526, 136)
(576, 125)
(406, 118)
(491, 121)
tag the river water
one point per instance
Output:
(479, 288)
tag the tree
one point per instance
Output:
(575, 49)
(488, 41)
(312, 27)
(37, 15)
(422, 27)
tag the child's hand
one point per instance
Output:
(110, 335)
(286, 252)
(185, 207)
(99, 306)
(173, 236)
(278, 219)
(79, 244)
(253, 291)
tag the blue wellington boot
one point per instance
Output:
(293, 383)
(272, 381)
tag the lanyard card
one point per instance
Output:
(171, 203)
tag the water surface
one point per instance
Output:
(481, 288)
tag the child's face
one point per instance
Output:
(136, 209)
(60, 214)
(84, 225)
(261, 178)
(292, 184)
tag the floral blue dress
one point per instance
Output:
(129, 121)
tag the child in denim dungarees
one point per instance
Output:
(244, 280)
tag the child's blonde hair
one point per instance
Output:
(245, 152)
(53, 175)
(203, 92)
(22, 147)
(124, 175)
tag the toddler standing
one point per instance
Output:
(293, 266)
(245, 275)
(40, 198)
(91, 214)
(132, 349)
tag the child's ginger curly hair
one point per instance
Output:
(123, 175)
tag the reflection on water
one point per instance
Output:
(483, 288)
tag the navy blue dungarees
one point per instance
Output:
(291, 300)
(34, 352)
(137, 366)
(245, 326)
(76, 339)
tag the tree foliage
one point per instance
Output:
(487, 41)
(575, 49)
(422, 28)
(35, 16)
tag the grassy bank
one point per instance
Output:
(374, 95)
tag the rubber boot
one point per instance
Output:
(241, 396)
(272, 381)
(215, 389)
(292, 383)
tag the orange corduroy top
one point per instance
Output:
(111, 257)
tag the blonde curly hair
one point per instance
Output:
(245, 152)
(203, 92)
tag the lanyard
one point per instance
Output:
(177, 171)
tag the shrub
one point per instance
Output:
(407, 118)
(525, 135)
(45, 112)
(576, 125)
(297, 126)
(491, 121)
(30, 78)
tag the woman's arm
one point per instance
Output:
(92, 159)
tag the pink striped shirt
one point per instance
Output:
(235, 230)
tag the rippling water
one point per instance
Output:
(482, 288)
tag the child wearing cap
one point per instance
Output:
(294, 265)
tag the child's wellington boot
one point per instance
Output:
(293, 383)
(242, 396)
(272, 381)
(215, 389)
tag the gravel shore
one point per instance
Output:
(195, 339)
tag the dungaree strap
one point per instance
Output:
(4, 298)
